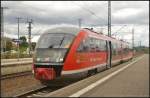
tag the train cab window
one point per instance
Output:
(55, 41)
(53, 46)
(67, 42)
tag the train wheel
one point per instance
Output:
(95, 71)
(89, 73)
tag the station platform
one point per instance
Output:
(130, 79)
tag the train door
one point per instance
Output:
(109, 56)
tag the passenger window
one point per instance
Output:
(98, 45)
(92, 45)
(84, 45)
(103, 45)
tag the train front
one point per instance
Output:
(50, 53)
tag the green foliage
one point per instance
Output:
(23, 45)
(23, 38)
(142, 49)
(8, 45)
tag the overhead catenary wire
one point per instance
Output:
(92, 13)
(119, 29)
(105, 5)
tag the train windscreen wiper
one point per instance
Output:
(56, 45)
(61, 41)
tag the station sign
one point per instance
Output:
(17, 40)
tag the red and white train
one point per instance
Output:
(69, 52)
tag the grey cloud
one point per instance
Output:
(46, 16)
(141, 18)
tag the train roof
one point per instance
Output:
(75, 31)
(69, 30)
(102, 36)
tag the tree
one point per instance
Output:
(23, 44)
(23, 38)
(8, 45)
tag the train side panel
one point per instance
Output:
(83, 61)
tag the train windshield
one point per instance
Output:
(53, 47)
(55, 41)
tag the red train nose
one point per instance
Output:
(45, 73)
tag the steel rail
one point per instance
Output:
(19, 74)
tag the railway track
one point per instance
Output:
(39, 92)
(31, 93)
(14, 75)
(43, 90)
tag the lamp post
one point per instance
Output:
(109, 18)
(3, 42)
(18, 21)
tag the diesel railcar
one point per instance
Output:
(69, 51)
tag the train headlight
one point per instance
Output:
(61, 59)
(38, 59)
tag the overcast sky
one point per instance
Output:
(47, 14)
